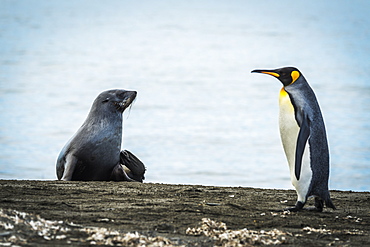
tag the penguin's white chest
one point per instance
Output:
(289, 130)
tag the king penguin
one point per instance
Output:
(303, 136)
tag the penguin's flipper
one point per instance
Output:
(304, 133)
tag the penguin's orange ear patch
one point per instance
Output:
(295, 75)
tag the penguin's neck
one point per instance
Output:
(285, 102)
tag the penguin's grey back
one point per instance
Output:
(306, 105)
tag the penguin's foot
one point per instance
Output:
(319, 205)
(292, 209)
(313, 209)
(298, 206)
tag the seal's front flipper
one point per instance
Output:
(136, 167)
(65, 171)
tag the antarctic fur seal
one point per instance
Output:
(93, 152)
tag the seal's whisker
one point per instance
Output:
(129, 108)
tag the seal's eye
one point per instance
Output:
(122, 95)
(106, 100)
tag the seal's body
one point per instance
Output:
(93, 153)
(303, 135)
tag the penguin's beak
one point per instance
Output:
(268, 72)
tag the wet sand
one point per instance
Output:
(170, 212)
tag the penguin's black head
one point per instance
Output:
(287, 75)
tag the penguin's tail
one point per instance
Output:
(329, 203)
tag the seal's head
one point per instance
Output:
(114, 100)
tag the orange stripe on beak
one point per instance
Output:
(271, 73)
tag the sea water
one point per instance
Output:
(200, 116)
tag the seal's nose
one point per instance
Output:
(132, 95)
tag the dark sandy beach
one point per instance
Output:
(75, 213)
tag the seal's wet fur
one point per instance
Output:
(93, 152)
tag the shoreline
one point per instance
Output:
(189, 184)
(169, 210)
